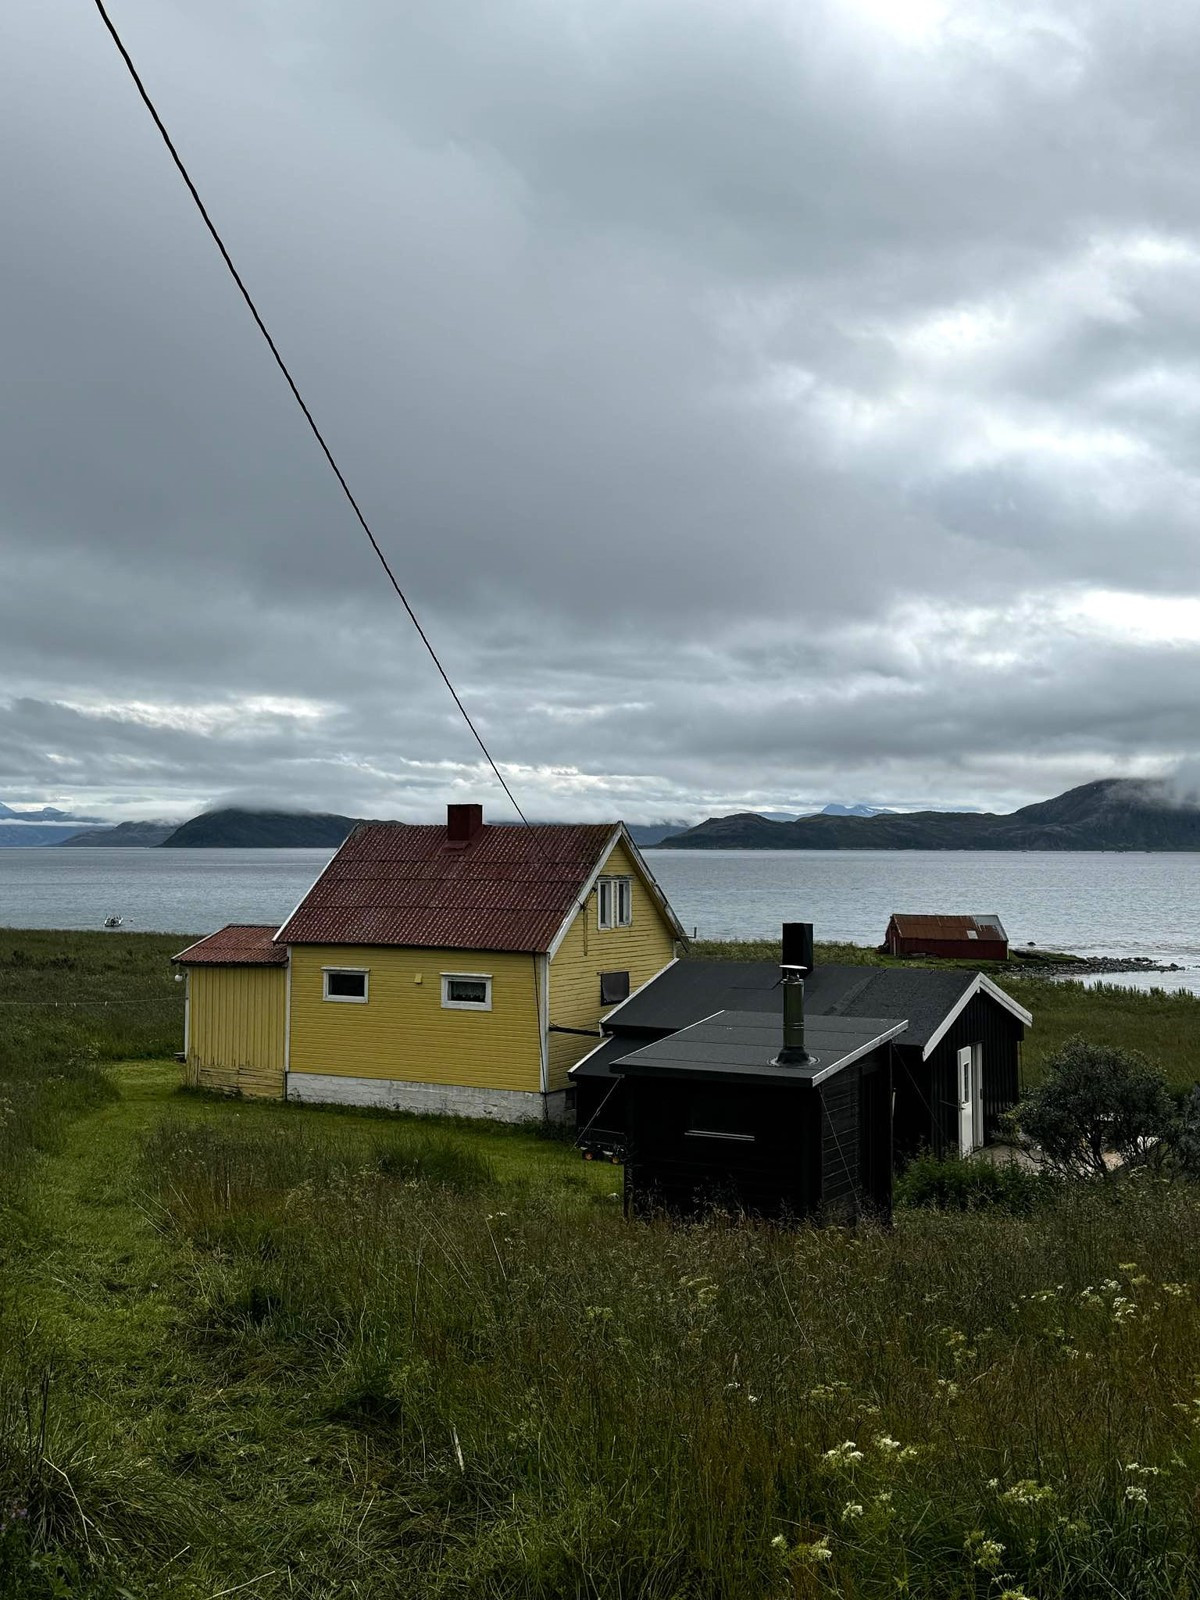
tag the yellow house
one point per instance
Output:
(459, 968)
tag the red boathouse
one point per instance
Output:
(980, 938)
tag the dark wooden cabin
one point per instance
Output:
(714, 1119)
(980, 938)
(960, 1026)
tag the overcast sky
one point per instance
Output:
(762, 401)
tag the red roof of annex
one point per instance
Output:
(241, 944)
(505, 887)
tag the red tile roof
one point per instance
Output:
(394, 883)
(241, 944)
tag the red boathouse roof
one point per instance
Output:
(984, 926)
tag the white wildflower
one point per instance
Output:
(984, 1552)
(1027, 1492)
(846, 1451)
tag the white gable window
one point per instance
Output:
(614, 902)
(467, 991)
(348, 984)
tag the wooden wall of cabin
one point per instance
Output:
(841, 1159)
(856, 1140)
(927, 1091)
(777, 1174)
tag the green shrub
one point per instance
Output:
(1098, 1100)
(952, 1184)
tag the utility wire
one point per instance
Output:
(133, 1000)
(299, 398)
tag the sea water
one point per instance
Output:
(1095, 903)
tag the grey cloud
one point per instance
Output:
(675, 352)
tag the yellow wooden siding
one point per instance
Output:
(403, 1032)
(236, 1026)
(642, 949)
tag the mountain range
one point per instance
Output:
(234, 829)
(1108, 814)
(42, 814)
(123, 836)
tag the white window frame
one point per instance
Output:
(612, 886)
(466, 1005)
(346, 999)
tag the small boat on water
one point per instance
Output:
(113, 922)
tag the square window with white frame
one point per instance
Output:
(614, 902)
(466, 991)
(347, 984)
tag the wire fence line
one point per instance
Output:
(133, 1000)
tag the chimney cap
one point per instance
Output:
(797, 945)
(463, 822)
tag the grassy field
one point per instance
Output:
(282, 1351)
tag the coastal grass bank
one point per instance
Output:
(292, 1351)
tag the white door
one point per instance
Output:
(967, 1094)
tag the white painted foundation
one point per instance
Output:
(439, 1099)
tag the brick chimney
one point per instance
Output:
(462, 824)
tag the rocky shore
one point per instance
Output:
(1062, 966)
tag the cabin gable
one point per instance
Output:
(927, 1090)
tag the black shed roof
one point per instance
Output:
(690, 990)
(741, 1046)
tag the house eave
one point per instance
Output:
(981, 985)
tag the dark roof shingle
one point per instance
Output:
(690, 990)
(392, 883)
(240, 944)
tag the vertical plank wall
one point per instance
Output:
(236, 1029)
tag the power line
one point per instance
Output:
(299, 398)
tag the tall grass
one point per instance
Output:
(68, 1002)
(364, 1361)
(1164, 1025)
(555, 1402)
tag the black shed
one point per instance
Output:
(715, 1119)
(956, 1064)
